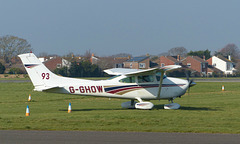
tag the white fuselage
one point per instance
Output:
(171, 88)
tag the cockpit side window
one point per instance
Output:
(128, 80)
(158, 76)
(145, 79)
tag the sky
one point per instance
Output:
(107, 27)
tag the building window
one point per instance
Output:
(189, 64)
(203, 65)
(130, 65)
(142, 65)
(228, 66)
(162, 64)
(58, 65)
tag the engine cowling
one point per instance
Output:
(144, 105)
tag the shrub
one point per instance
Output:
(2, 68)
(15, 71)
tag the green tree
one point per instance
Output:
(84, 69)
(61, 71)
(200, 54)
(2, 68)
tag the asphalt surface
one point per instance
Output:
(91, 137)
(14, 81)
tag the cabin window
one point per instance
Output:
(144, 79)
(189, 64)
(128, 80)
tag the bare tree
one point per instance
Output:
(230, 49)
(11, 46)
(88, 54)
(43, 54)
(178, 51)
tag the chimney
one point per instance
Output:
(92, 54)
(204, 57)
(229, 57)
(178, 57)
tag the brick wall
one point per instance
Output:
(164, 60)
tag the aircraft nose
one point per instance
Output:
(192, 83)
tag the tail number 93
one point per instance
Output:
(45, 76)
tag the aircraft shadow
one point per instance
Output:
(189, 108)
(156, 107)
(91, 109)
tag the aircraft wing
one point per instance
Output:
(120, 71)
(154, 70)
(132, 72)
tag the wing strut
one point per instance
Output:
(160, 85)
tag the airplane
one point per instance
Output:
(133, 84)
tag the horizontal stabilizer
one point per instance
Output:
(46, 88)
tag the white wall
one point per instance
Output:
(222, 65)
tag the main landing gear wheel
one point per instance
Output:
(140, 105)
(172, 105)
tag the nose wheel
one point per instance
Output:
(172, 105)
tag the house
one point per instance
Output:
(137, 63)
(94, 59)
(222, 63)
(196, 63)
(108, 62)
(169, 60)
(118, 62)
(211, 70)
(57, 62)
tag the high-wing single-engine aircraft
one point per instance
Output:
(133, 84)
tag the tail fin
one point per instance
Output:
(41, 77)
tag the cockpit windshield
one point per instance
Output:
(114, 77)
(158, 76)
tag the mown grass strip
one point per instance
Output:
(207, 110)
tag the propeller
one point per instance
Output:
(190, 81)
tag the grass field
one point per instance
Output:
(206, 110)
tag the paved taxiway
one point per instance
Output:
(91, 137)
